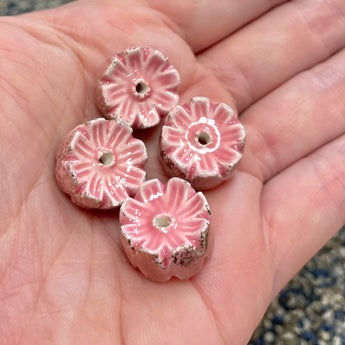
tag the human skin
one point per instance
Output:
(63, 276)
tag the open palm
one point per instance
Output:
(64, 278)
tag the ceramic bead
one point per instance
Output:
(99, 164)
(139, 86)
(165, 229)
(202, 142)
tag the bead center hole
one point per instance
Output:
(204, 138)
(107, 159)
(162, 221)
(141, 88)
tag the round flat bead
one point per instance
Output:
(202, 142)
(99, 164)
(165, 228)
(138, 87)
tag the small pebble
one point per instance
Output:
(269, 337)
(337, 341)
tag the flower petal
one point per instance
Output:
(192, 239)
(195, 225)
(164, 255)
(132, 210)
(116, 192)
(81, 188)
(223, 115)
(192, 207)
(178, 117)
(133, 153)
(147, 116)
(150, 190)
(200, 107)
(207, 165)
(183, 157)
(114, 92)
(131, 230)
(83, 174)
(168, 80)
(165, 100)
(117, 136)
(155, 63)
(82, 132)
(134, 57)
(233, 135)
(153, 241)
(172, 136)
(227, 156)
(176, 190)
(117, 69)
(98, 133)
(82, 148)
(95, 187)
(132, 233)
(126, 110)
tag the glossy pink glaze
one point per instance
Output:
(165, 229)
(138, 87)
(202, 142)
(99, 164)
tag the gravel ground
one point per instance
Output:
(11, 8)
(311, 308)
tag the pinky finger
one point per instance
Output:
(303, 207)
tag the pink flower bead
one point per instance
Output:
(99, 164)
(138, 87)
(165, 229)
(202, 142)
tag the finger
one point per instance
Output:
(267, 52)
(295, 119)
(303, 207)
(237, 276)
(202, 23)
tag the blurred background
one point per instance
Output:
(311, 308)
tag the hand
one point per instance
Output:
(64, 278)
